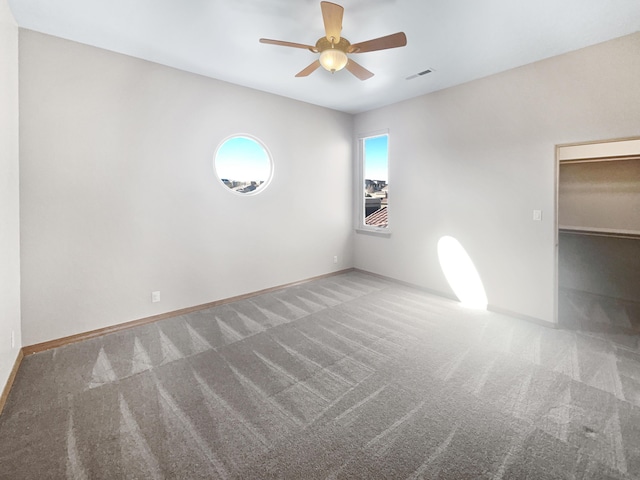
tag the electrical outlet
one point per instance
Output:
(335, 259)
(537, 215)
(155, 297)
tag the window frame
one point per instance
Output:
(360, 226)
(264, 184)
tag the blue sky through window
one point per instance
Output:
(376, 158)
(242, 159)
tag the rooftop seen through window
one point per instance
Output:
(375, 168)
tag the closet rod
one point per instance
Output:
(600, 159)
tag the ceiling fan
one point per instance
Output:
(333, 48)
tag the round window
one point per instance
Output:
(243, 164)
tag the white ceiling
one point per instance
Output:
(461, 40)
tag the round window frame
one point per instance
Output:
(264, 184)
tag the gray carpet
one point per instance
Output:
(346, 377)
(612, 318)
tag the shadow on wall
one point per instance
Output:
(461, 273)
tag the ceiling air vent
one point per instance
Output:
(419, 74)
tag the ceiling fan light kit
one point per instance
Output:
(333, 59)
(334, 49)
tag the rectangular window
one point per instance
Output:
(374, 168)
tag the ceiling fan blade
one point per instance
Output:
(390, 41)
(332, 16)
(289, 44)
(308, 70)
(358, 70)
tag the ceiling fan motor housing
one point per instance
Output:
(323, 44)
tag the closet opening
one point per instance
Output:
(598, 238)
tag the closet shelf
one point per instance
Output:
(599, 232)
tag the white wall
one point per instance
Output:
(475, 160)
(118, 196)
(9, 195)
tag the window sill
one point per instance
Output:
(375, 233)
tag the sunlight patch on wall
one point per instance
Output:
(461, 274)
